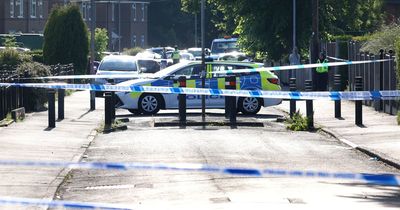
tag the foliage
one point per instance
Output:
(133, 51)
(265, 26)
(398, 118)
(382, 39)
(37, 55)
(100, 42)
(66, 38)
(38, 97)
(397, 49)
(10, 41)
(297, 122)
(12, 57)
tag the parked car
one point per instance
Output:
(151, 103)
(196, 52)
(124, 64)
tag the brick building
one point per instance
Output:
(125, 20)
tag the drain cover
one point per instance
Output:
(296, 201)
(220, 200)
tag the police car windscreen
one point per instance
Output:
(118, 65)
(224, 47)
(149, 66)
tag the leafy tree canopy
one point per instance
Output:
(265, 26)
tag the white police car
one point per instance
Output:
(151, 103)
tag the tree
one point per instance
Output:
(100, 42)
(66, 38)
(265, 26)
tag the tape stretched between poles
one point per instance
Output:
(261, 69)
(333, 95)
(376, 179)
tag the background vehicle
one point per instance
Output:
(125, 64)
(151, 103)
(196, 52)
(223, 45)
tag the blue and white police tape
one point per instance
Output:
(261, 69)
(105, 76)
(59, 203)
(337, 59)
(302, 66)
(333, 95)
(378, 179)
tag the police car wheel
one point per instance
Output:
(249, 106)
(149, 104)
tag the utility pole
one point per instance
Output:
(92, 53)
(315, 35)
(203, 64)
(294, 24)
(119, 26)
(195, 29)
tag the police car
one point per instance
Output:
(151, 103)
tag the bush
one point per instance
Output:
(36, 97)
(133, 51)
(37, 55)
(397, 49)
(297, 123)
(383, 39)
(398, 118)
(12, 57)
(66, 38)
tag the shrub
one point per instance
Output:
(12, 57)
(133, 51)
(37, 55)
(66, 38)
(297, 122)
(36, 98)
(397, 49)
(398, 118)
(383, 39)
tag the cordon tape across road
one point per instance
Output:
(261, 69)
(324, 95)
(57, 203)
(377, 179)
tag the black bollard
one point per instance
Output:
(230, 101)
(182, 101)
(51, 94)
(108, 106)
(292, 87)
(61, 95)
(358, 87)
(309, 106)
(92, 100)
(113, 101)
(338, 105)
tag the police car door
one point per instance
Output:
(218, 82)
(193, 80)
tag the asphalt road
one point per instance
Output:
(271, 146)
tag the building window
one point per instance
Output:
(134, 11)
(19, 7)
(33, 8)
(40, 7)
(142, 41)
(89, 10)
(11, 8)
(134, 41)
(112, 12)
(83, 10)
(142, 12)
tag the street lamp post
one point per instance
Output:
(203, 63)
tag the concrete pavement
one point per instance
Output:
(30, 140)
(378, 137)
